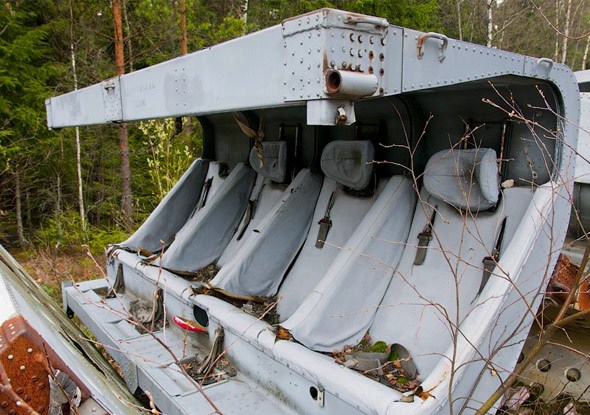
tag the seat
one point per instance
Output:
(341, 307)
(425, 300)
(205, 235)
(270, 244)
(160, 225)
(343, 163)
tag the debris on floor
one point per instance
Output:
(389, 364)
(205, 274)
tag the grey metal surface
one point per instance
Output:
(149, 365)
(287, 64)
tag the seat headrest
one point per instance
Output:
(349, 163)
(465, 179)
(274, 164)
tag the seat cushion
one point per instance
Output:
(274, 162)
(465, 179)
(349, 163)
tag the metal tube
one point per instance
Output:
(350, 84)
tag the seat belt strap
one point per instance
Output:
(424, 239)
(325, 222)
(205, 194)
(489, 262)
(251, 208)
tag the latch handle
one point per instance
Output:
(375, 21)
(547, 61)
(433, 35)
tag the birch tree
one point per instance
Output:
(77, 129)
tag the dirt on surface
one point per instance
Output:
(50, 268)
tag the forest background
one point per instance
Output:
(63, 193)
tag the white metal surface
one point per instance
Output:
(583, 156)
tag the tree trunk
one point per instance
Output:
(28, 212)
(126, 197)
(244, 11)
(19, 210)
(490, 23)
(459, 21)
(585, 58)
(183, 39)
(128, 37)
(244, 14)
(118, 23)
(58, 209)
(557, 12)
(566, 31)
(77, 129)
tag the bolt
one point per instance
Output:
(22, 368)
(29, 350)
(10, 357)
(544, 365)
(573, 375)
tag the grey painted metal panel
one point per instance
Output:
(242, 73)
(277, 66)
(447, 61)
(82, 107)
(286, 65)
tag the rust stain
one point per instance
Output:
(24, 356)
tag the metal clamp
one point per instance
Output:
(441, 49)
(375, 21)
(547, 61)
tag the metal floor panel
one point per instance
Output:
(148, 365)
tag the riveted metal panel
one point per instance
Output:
(111, 95)
(460, 62)
(390, 68)
(330, 39)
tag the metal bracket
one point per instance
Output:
(433, 35)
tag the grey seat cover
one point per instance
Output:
(349, 162)
(421, 302)
(204, 237)
(342, 306)
(465, 179)
(274, 166)
(263, 259)
(181, 200)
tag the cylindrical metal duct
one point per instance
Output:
(350, 84)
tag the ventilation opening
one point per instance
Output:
(201, 316)
(317, 394)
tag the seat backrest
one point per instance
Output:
(465, 179)
(271, 161)
(349, 162)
